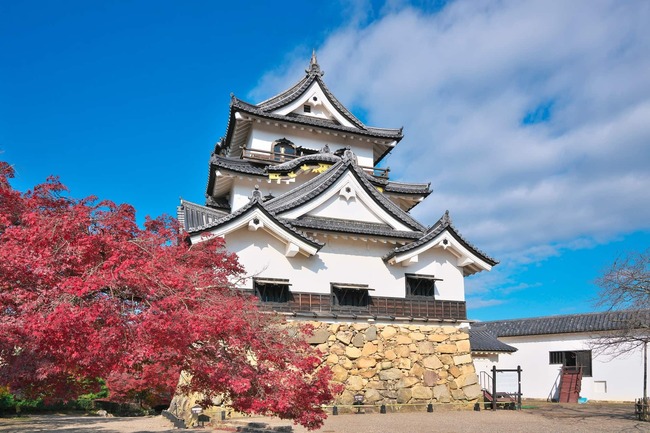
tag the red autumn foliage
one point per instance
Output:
(85, 293)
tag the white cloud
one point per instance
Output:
(462, 80)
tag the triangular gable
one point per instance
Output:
(255, 217)
(313, 92)
(443, 235)
(347, 199)
(344, 193)
(314, 102)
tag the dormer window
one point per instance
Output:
(283, 150)
(306, 108)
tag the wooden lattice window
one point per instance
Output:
(350, 295)
(418, 285)
(272, 289)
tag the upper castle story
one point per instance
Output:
(292, 137)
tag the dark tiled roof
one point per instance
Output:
(193, 215)
(391, 134)
(590, 322)
(237, 164)
(408, 188)
(482, 340)
(353, 227)
(297, 162)
(220, 203)
(444, 223)
(314, 73)
(314, 187)
(259, 169)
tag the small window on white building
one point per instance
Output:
(574, 359)
(350, 295)
(421, 286)
(274, 290)
(600, 386)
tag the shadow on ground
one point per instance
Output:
(79, 424)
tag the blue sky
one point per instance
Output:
(530, 119)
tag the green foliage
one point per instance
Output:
(10, 404)
(85, 402)
(6, 401)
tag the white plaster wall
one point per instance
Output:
(441, 264)
(263, 135)
(342, 261)
(320, 106)
(243, 187)
(351, 209)
(623, 376)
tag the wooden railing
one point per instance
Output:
(378, 306)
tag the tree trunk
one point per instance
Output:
(644, 403)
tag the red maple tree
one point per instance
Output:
(85, 293)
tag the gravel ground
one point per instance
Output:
(542, 418)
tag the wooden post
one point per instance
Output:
(519, 387)
(494, 387)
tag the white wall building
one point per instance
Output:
(546, 344)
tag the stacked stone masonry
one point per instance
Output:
(398, 364)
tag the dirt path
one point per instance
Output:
(85, 424)
(538, 418)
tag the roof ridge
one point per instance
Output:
(563, 316)
(314, 73)
(394, 134)
(610, 320)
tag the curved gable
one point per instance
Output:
(255, 217)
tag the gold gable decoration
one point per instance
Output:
(305, 168)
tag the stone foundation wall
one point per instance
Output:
(388, 364)
(400, 363)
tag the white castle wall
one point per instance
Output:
(343, 261)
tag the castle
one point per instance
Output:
(296, 189)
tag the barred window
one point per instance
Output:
(272, 289)
(350, 295)
(421, 285)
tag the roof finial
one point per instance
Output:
(314, 68)
(446, 219)
(349, 155)
(257, 194)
